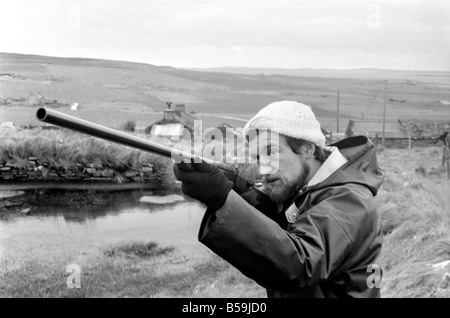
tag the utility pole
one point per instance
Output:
(337, 119)
(384, 111)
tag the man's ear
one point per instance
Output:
(308, 150)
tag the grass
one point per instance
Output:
(413, 202)
(112, 92)
(414, 207)
(156, 272)
(137, 249)
(65, 149)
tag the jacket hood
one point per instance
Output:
(361, 168)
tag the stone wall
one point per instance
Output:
(404, 143)
(36, 170)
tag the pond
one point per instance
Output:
(67, 225)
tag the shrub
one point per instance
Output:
(129, 125)
(137, 249)
(148, 129)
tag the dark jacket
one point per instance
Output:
(327, 251)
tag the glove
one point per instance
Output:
(204, 182)
(240, 184)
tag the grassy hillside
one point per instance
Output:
(414, 205)
(65, 149)
(109, 91)
(440, 78)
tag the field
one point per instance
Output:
(111, 92)
(414, 207)
(414, 201)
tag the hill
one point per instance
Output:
(362, 73)
(111, 92)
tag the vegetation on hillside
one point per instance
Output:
(414, 201)
(414, 206)
(65, 149)
(112, 90)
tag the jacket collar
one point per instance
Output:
(334, 161)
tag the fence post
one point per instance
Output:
(409, 143)
(446, 160)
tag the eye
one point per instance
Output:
(272, 151)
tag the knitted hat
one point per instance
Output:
(288, 118)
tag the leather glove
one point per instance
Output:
(204, 182)
(240, 184)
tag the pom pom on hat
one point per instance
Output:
(288, 118)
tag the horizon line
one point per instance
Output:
(233, 67)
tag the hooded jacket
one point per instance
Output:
(327, 250)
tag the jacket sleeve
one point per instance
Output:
(275, 258)
(259, 200)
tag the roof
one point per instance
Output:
(187, 118)
(178, 116)
(168, 130)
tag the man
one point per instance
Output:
(322, 236)
(444, 138)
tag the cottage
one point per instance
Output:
(175, 124)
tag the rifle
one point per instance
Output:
(80, 125)
(244, 187)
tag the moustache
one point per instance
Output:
(270, 179)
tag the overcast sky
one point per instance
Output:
(342, 34)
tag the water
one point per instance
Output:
(73, 231)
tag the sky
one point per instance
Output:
(336, 34)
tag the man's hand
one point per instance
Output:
(204, 182)
(240, 184)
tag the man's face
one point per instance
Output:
(284, 172)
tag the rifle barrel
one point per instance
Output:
(83, 126)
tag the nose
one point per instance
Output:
(268, 165)
(265, 169)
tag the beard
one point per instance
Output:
(280, 191)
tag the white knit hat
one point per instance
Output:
(288, 118)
